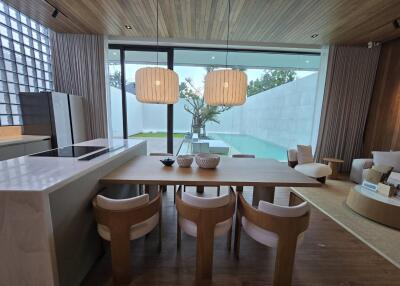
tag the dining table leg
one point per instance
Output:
(263, 193)
(200, 189)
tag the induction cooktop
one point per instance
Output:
(69, 151)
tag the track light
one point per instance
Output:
(55, 13)
(396, 23)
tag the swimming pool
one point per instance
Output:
(247, 144)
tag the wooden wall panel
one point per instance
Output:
(8, 131)
(383, 123)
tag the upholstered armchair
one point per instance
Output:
(314, 170)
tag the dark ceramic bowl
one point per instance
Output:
(168, 162)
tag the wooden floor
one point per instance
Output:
(329, 256)
(331, 200)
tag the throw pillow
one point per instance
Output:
(373, 176)
(304, 154)
(385, 170)
(387, 158)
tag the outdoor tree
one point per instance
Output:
(270, 79)
(115, 79)
(195, 105)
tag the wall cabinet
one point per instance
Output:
(22, 149)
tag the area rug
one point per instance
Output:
(330, 199)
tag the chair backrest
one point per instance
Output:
(160, 154)
(119, 215)
(122, 204)
(206, 212)
(243, 156)
(203, 202)
(287, 222)
(283, 211)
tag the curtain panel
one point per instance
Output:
(79, 69)
(348, 90)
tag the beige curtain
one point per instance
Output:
(78, 68)
(348, 89)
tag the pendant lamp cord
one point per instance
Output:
(227, 35)
(157, 32)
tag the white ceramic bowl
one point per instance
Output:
(184, 161)
(207, 161)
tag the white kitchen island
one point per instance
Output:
(47, 229)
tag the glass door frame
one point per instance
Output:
(170, 64)
(170, 107)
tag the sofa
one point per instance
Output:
(387, 158)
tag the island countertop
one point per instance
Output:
(49, 173)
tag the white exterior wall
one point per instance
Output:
(283, 115)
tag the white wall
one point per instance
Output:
(283, 115)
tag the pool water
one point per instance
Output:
(247, 144)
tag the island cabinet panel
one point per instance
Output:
(77, 243)
(22, 149)
(12, 151)
(48, 233)
(36, 147)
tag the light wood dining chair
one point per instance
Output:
(205, 218)
(259, 192)
(275, 226)
(120, 221)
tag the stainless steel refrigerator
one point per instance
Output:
(55, 114)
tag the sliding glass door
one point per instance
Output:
(278, 114)
(282, 108)
(146, 121)
(115, 108)
(130, 118)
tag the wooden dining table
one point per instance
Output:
(229, 172)
(237, 172)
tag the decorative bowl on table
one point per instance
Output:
(184, 161)
(207, 161)
(167, 162)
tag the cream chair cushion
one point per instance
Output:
(137, 230)
(314, 170)
(304, 154)
(190, 227)
(270, 238)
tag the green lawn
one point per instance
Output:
(155, 135)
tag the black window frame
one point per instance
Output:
(170, 64)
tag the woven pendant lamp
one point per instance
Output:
(226, 87)
(156, 84)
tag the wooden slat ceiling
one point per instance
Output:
(257, 21)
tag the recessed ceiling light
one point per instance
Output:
(213, 58)
(114, 53)
(307, 61)
(129, 27)
(314, 36)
